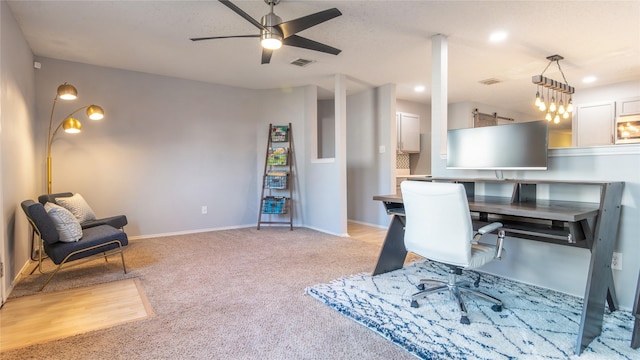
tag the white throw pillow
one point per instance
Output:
(68, 227)
(78, 207)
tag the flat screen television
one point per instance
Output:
(520, 146)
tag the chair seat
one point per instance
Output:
(90, 237)
(480, 255)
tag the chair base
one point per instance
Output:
(455, 288)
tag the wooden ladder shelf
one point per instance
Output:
(277, 187)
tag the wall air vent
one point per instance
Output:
(301, 62)
(489, 81)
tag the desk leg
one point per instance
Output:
(600, 279)
(635, 336)
(393, 252)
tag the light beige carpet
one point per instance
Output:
(45, 317)
(233, 294)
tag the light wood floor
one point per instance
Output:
(366, 233)
(44, 317)
(41, 318)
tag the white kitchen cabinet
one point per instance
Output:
(630, 106)
(594, 123)
(408, 132)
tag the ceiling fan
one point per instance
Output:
(274, 33)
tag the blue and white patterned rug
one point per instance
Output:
(535, 323)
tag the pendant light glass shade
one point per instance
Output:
(570, 105)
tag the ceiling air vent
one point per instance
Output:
(489, 81)
(301, 62)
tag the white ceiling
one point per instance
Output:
(381, 41)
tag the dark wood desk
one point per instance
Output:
(589, 225)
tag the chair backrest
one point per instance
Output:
(41, 221)
(438, 222)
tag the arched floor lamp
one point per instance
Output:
(69, 124)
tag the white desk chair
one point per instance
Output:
(439, 228)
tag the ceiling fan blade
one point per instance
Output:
(246, 16)
(266, 55)
(299, 41)
(224, 37)
(291, 27)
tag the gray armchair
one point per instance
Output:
(99, 240)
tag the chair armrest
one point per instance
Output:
(489, 228)
(485, 229)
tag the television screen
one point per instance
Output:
(520, 146)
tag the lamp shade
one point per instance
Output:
(95, 112)
(71, 125)
(67, 92)
(271, 42)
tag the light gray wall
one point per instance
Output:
(17, 112)
(623, 90)
(281, 108)
(420, 163)
(370, 115)
(323, 200)
(165, 148)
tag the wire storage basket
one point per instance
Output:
(274, 205)
(278, 156)
(279, 133)
(276, 180)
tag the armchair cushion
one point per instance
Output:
(66, 224)
(78, 207)
(94, 236)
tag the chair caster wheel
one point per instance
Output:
(496, 308)
(420, 287)
(465, 320)
(414, 304)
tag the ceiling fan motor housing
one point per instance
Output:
(270, 21)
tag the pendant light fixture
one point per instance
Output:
(557, 92)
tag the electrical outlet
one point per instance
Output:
(616, 261)
(204, 209)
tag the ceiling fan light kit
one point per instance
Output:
(274, 32)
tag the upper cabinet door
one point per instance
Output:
(594, 124)
(629, 106)
(408, 127)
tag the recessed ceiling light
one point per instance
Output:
(498, 36)
(419, 88)
(589, 79)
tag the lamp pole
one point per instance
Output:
(69, 124)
